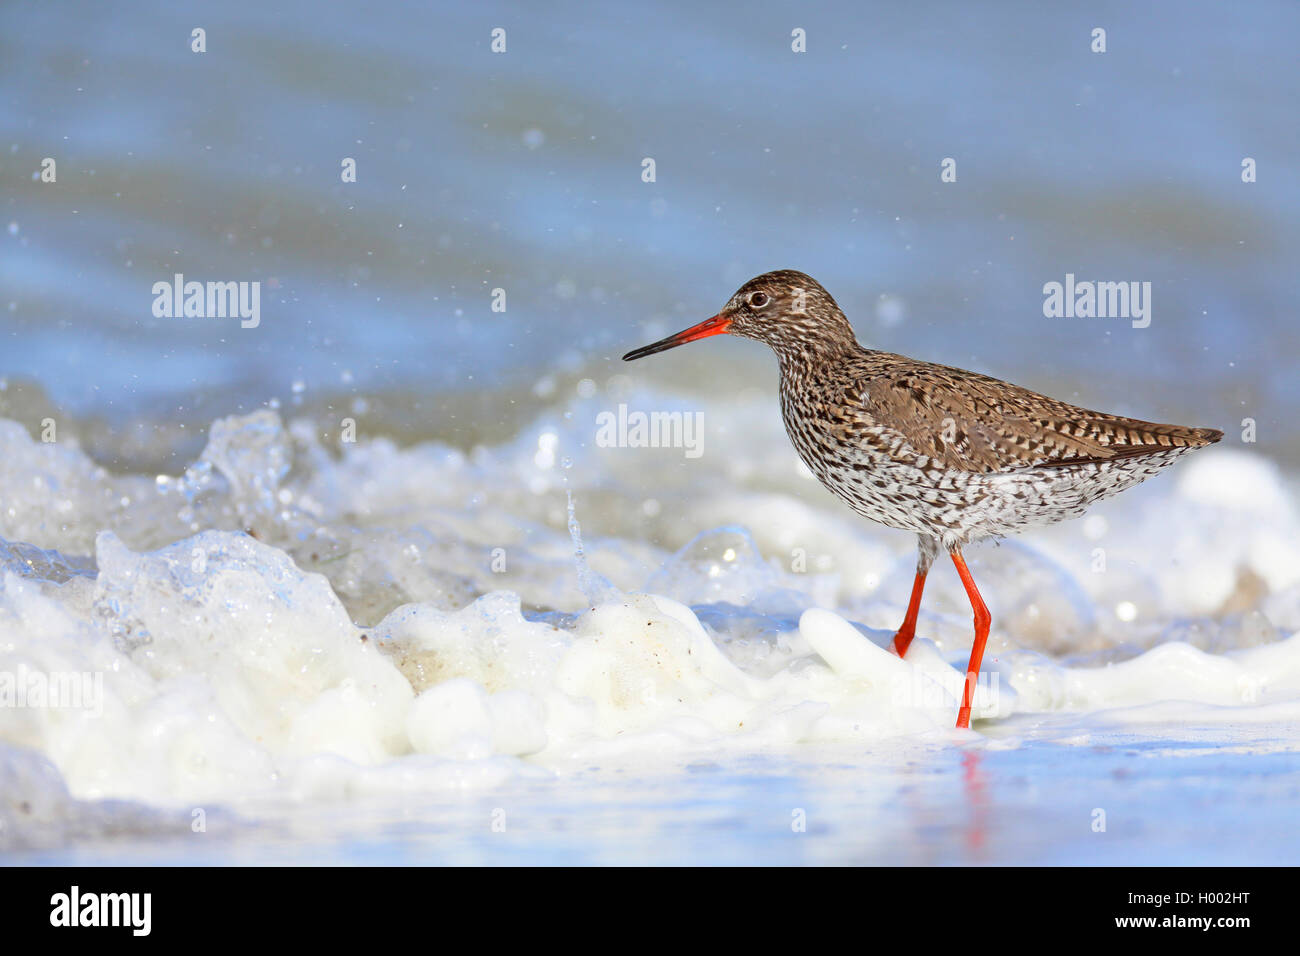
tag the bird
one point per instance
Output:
(950, 455)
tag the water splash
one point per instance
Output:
(40, 564)
(595, 587)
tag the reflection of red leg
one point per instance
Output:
(976, 799)
(908, 631)
(982, 621)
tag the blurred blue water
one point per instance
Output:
(1030, 805)
(522, 171)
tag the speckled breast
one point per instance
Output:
(882, 477)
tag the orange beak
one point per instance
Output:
(714, 326)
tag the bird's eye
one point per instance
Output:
(758, 299)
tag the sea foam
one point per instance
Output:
(286, 621)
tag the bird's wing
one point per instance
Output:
(971, 422)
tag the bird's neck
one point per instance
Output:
(807, 355)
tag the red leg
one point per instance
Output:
(982, 621)
(908, 631)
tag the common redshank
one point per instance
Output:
(951, 455)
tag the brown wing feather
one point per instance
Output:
(972, 422)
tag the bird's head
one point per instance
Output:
(787, 310)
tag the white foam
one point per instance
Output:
(231, 673)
